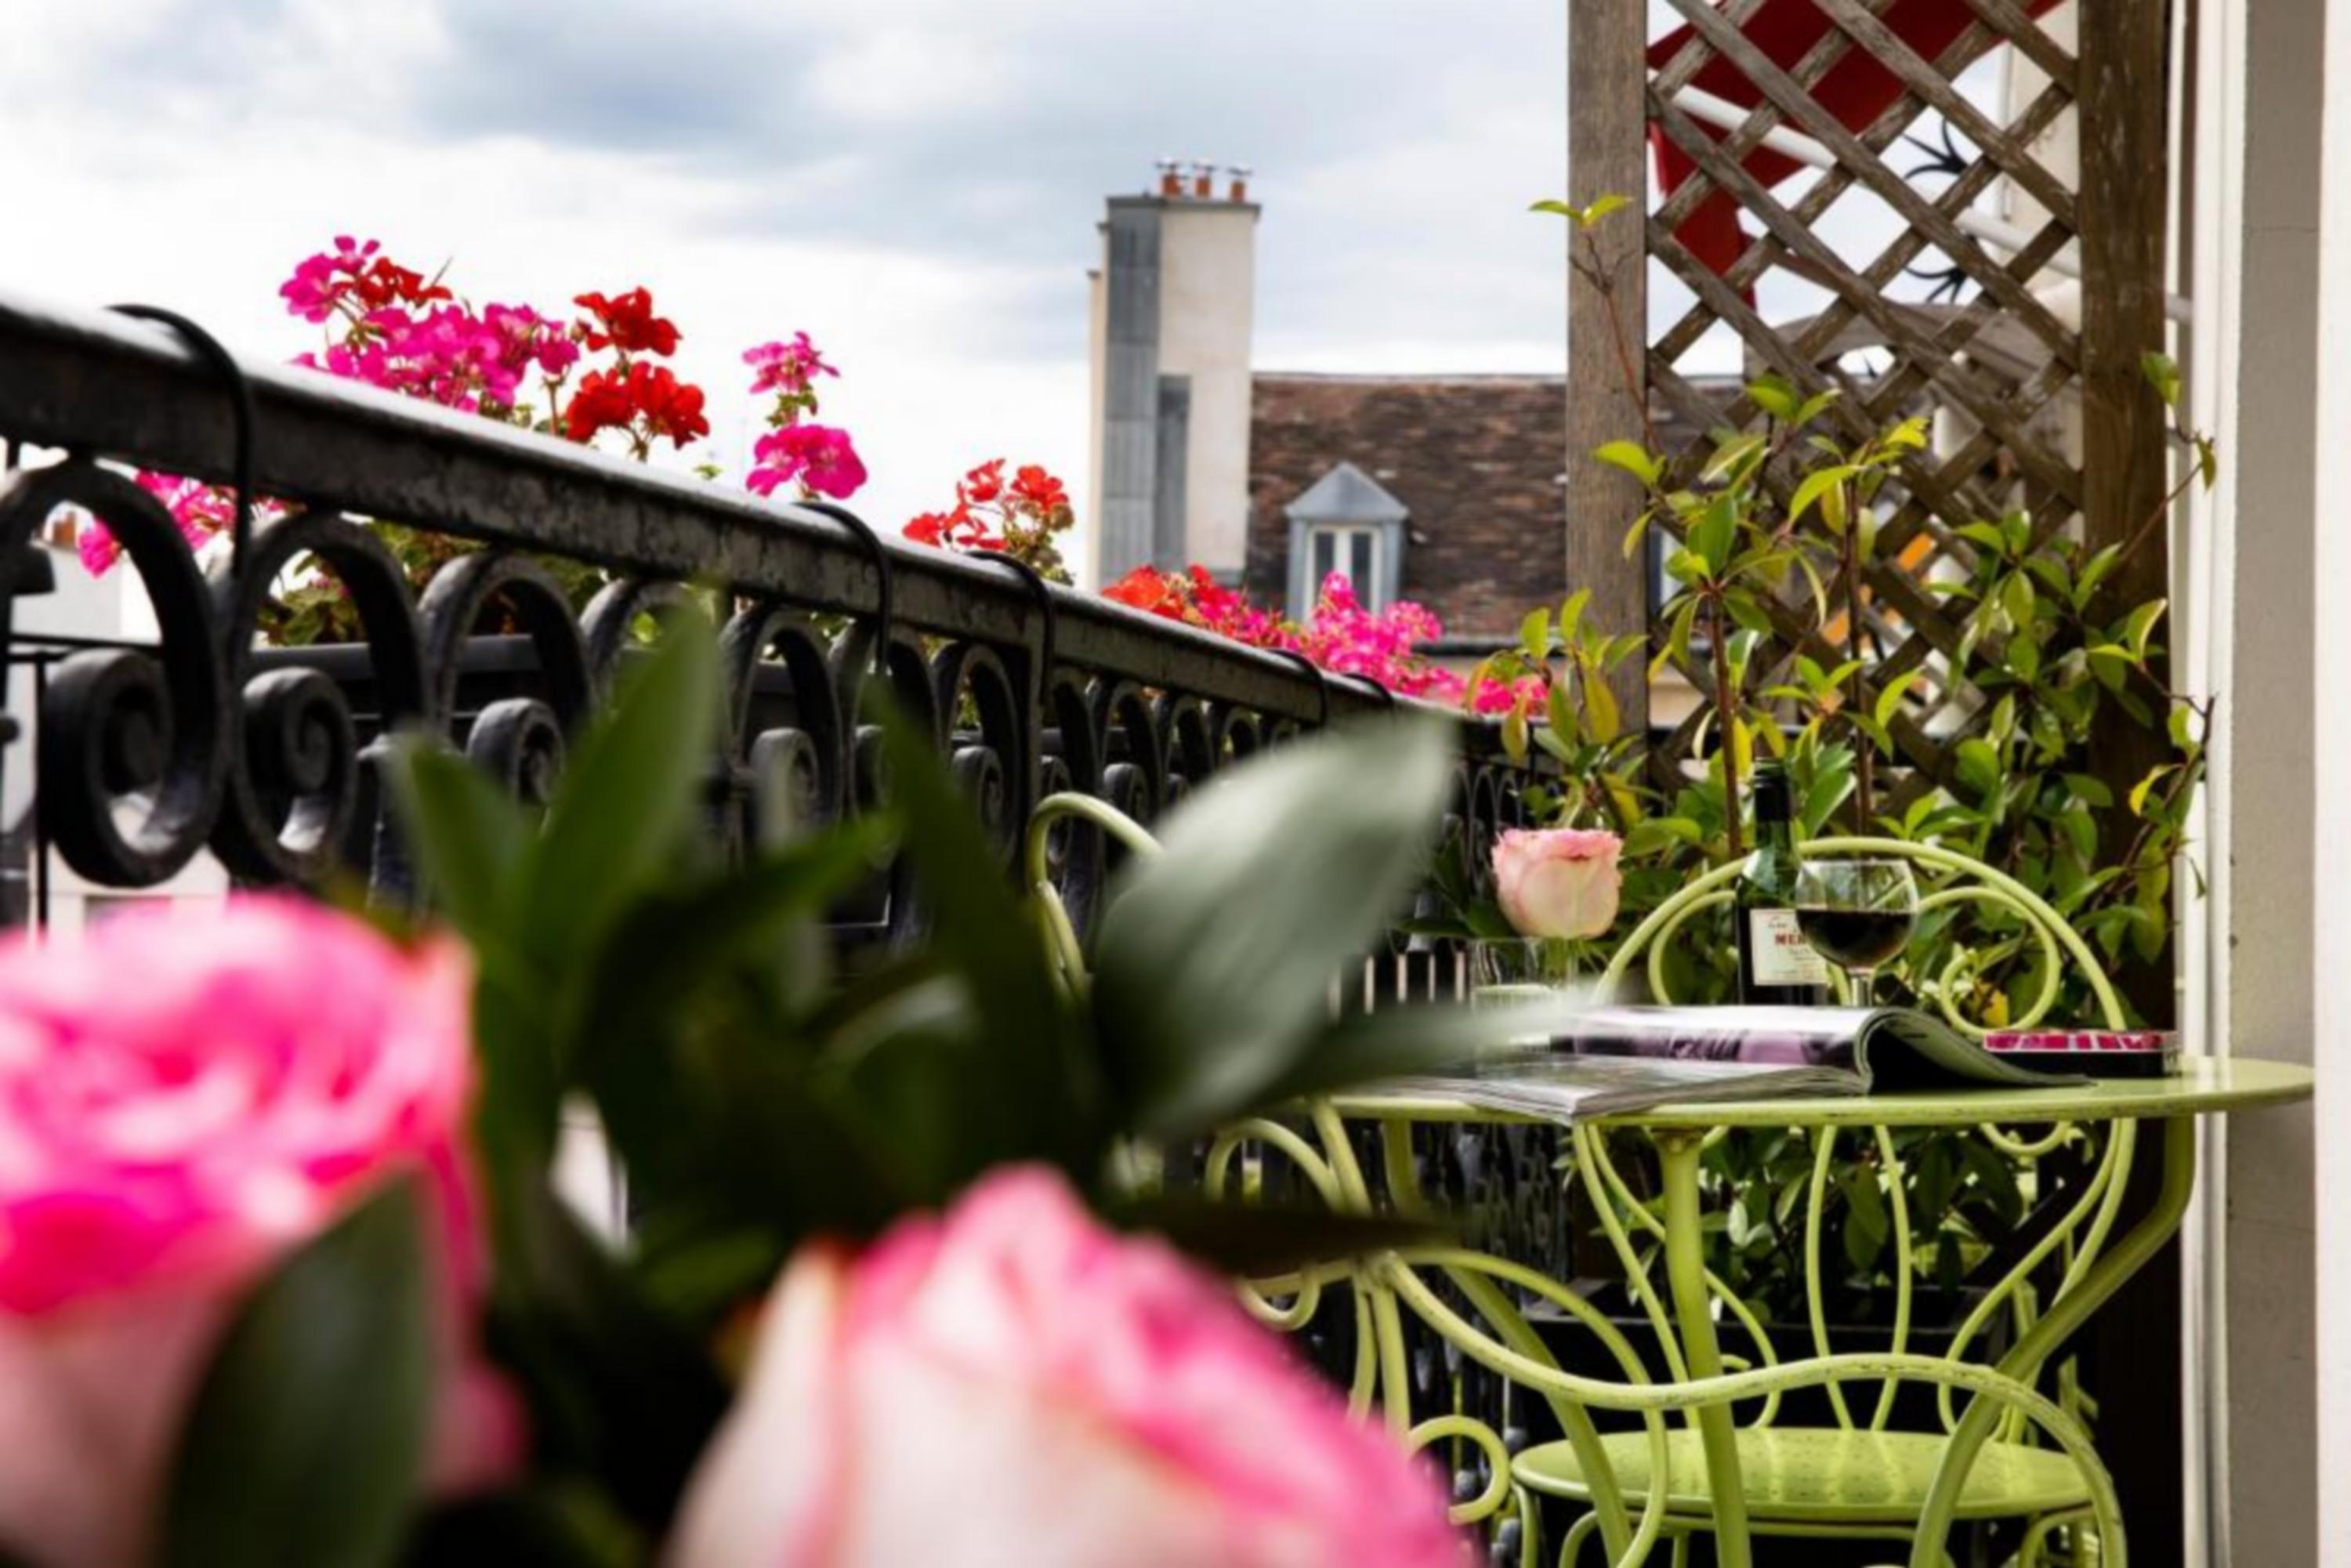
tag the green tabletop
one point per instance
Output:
(2202, 1083)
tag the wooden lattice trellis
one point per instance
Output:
(2003, 359)
(2005, 362)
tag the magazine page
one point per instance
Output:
(1572, 1088)
(1903, 1048)
(1771, 1037)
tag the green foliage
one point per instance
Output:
(1774, 539)
(319, 609)
(309, 1432)
(1772, 543)
(758, 1095)
(1585, 217)
(1962, 1201)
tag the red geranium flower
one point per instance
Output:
(1147, 588)
(653, 393)
(671, 407)
(601, 402)
(1040, 489)
(386, 282)
(984, 483)
(627, 323)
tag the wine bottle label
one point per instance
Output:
(1781, 955)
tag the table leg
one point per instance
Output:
(2125, 1257)
(1686, 1272)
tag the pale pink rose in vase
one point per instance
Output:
(1560, 883)
(1013, 1384)
(187, 1095)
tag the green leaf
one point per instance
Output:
(1978, 766)
(1775, 396)
(1829, 790)
(1733, 456)
(669, 947)
(1535, 634)
(2180, 725)
(1212, 969)
(1571, 613)
(1600, 712)
(1601, 206)
(1749, 612)
(1561, 713)
(1816, 484)
(1656, 833)
(467, 833)
(626, 801)
(2093, 792)
(2017, 597)
(307, 1439)
(1633, 458)
(1037, 1080)
(620, 1390)
(1889, 699)
(2095, 571)
(1866, 1226)
(2162, 373)
(2140, 626)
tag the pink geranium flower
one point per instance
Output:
(166, 1143)
(1012, 1383)
(822, 457)
(787, 368)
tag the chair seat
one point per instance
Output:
(1821, 1475)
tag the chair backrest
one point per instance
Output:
(1952, 879)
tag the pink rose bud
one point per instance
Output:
(186, 1095)
(1563, 883)
(1011, 1383)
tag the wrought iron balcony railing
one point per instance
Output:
(143, 755)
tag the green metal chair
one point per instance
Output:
(1860, 1476)
(1646, 1487)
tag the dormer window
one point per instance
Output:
(1346, 522)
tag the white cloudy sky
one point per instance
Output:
(914, 181)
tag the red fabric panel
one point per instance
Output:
(1856, 89)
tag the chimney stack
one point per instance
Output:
(1204, 180)
(1240, 182)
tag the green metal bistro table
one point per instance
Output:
(2005, 1392)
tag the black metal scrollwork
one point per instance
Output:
(269, 755)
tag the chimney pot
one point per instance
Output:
(1240, 182)
(1171, 177)
(1204, 180)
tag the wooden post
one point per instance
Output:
(2134, 1343)
(1607, 153)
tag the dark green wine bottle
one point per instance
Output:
(1776, 966)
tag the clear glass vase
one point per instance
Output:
(1524, 968)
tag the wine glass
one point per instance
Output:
(1858, 914)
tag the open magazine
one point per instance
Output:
(1614, 1059)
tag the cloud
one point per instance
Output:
(916, 181)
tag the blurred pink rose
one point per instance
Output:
(1012, 1384)
(186, 1095)
(1563, 883)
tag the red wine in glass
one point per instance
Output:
(1857, 939)
(1858, 914)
